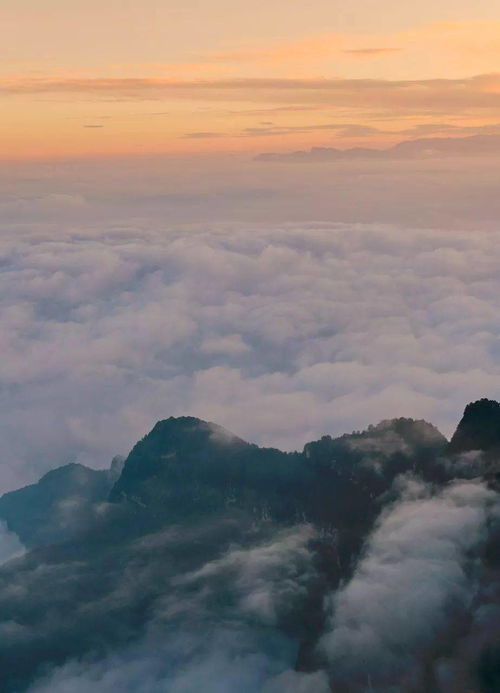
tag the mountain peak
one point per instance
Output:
(183, 429)
(175, 447)
(479, 428)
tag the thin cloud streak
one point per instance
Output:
(480, 91)
(368, 52)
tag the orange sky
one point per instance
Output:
(92, 78)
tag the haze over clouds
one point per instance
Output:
(437, 191)
(280, 334)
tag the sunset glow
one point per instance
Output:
(207, 77)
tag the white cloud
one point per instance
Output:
(267, 578)
(394, 616)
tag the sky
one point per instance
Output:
(93, 79)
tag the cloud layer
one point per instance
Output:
(280, 334)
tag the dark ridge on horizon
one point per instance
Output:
(424, 147)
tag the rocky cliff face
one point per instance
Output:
(479, 428)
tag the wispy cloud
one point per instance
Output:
(269, 129)
(369, 52)
(429, 95)
(202, 135)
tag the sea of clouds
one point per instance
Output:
(279, 333)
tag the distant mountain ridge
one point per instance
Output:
(422, 147)
(187, 464)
